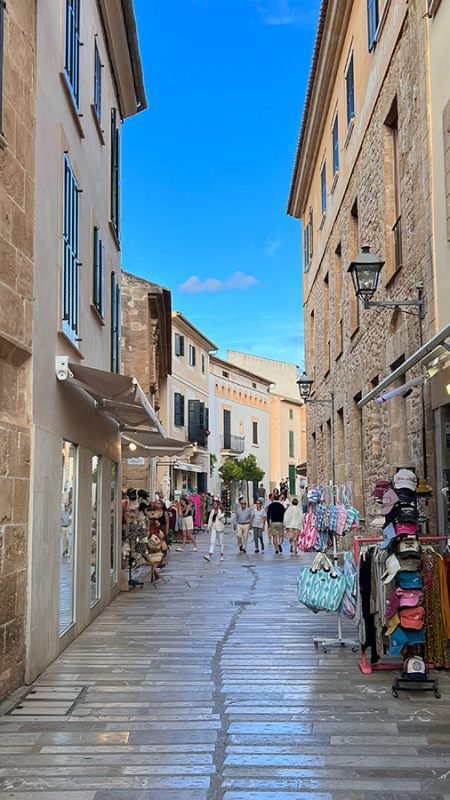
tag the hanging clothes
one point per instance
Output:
(436, 637)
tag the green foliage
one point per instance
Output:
(250, 470)
(212, 463)
(229, 471)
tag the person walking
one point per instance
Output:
(258, 522)
(242, 519)
(304, 499)
(186, 522)
(293, 521)
(216, 525)
(275, 517)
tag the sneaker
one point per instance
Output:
(280, 549)
(256, 551)
(292, 549)
(208, 557)
(221, 557)
(241, 549)
(194, 549)
(179, 549)
(244, 550)
(262, 547)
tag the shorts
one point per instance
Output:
(276, 528)
(292, 533)
(186, 524)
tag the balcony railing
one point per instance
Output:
(235, 444)
(398, 255)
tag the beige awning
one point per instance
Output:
(186, 466)
(119, 396)
(149, 444)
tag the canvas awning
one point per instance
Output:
(119, 396)
(186, 466)
(148, 444)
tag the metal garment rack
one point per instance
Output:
(339, 640)
(364, 665)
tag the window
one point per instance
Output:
(99, 273)
(326, 324)
(198, 422)
(179, 344)
(72, 52)
(191, 355)
(394, 198)
(353, 234)
(372, 21)
(115, 172)
(350, 91)
(203, 363)
(115, 324)
(226, 429)
(68, 530)
(254, 432)
(225, 374)
(339, 325)
(178, 410)
(96, 507)
(2, 14)
(97, 82)
(308, 241)
(70, 262)
(291, 444)
(254, 385)
(336, 145)
(323, 187)
(291, 414)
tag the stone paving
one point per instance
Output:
(209, 688)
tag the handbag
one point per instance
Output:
(321, 587)
(308, 533)
(348, 606)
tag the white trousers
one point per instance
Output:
(215, 536)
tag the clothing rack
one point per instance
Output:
(364, 665)
(337, 493)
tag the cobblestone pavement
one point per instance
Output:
(209, 688)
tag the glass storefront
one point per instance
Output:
(67, 537)
(114, 521)
(96, 505)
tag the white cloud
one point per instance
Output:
(288, 12)
(271, 247)
(238, 280)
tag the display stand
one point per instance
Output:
(339, 640)
(364, 665)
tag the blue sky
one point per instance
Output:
(207, 168)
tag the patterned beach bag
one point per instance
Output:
(308, 534)
(321, 586)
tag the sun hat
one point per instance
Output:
(412, 617)
(389, 536)
(415, 636)
(405, 479)
(390, 498)
(397, 641)
(380, 488)
(393, 623)
(408, 597)
(414, 669)
(392, 567)
(405, 528)
(409, 580)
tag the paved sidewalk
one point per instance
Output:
(209, 688)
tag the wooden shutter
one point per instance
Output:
(226, 429)
(193, 420)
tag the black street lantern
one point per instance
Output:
(304, 385)
(365, 271)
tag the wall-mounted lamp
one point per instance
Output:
(365, 271)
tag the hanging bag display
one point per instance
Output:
(308, 533)
(348, 606)
(321, 587)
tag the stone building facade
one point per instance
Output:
(362, 177)
(146, 352)
(17, 126)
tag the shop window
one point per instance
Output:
(114, 522)
(96, 508)
(68, 537)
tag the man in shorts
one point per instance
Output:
(275, 517)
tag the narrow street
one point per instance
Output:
(209, 688)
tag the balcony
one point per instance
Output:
(233, 444)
